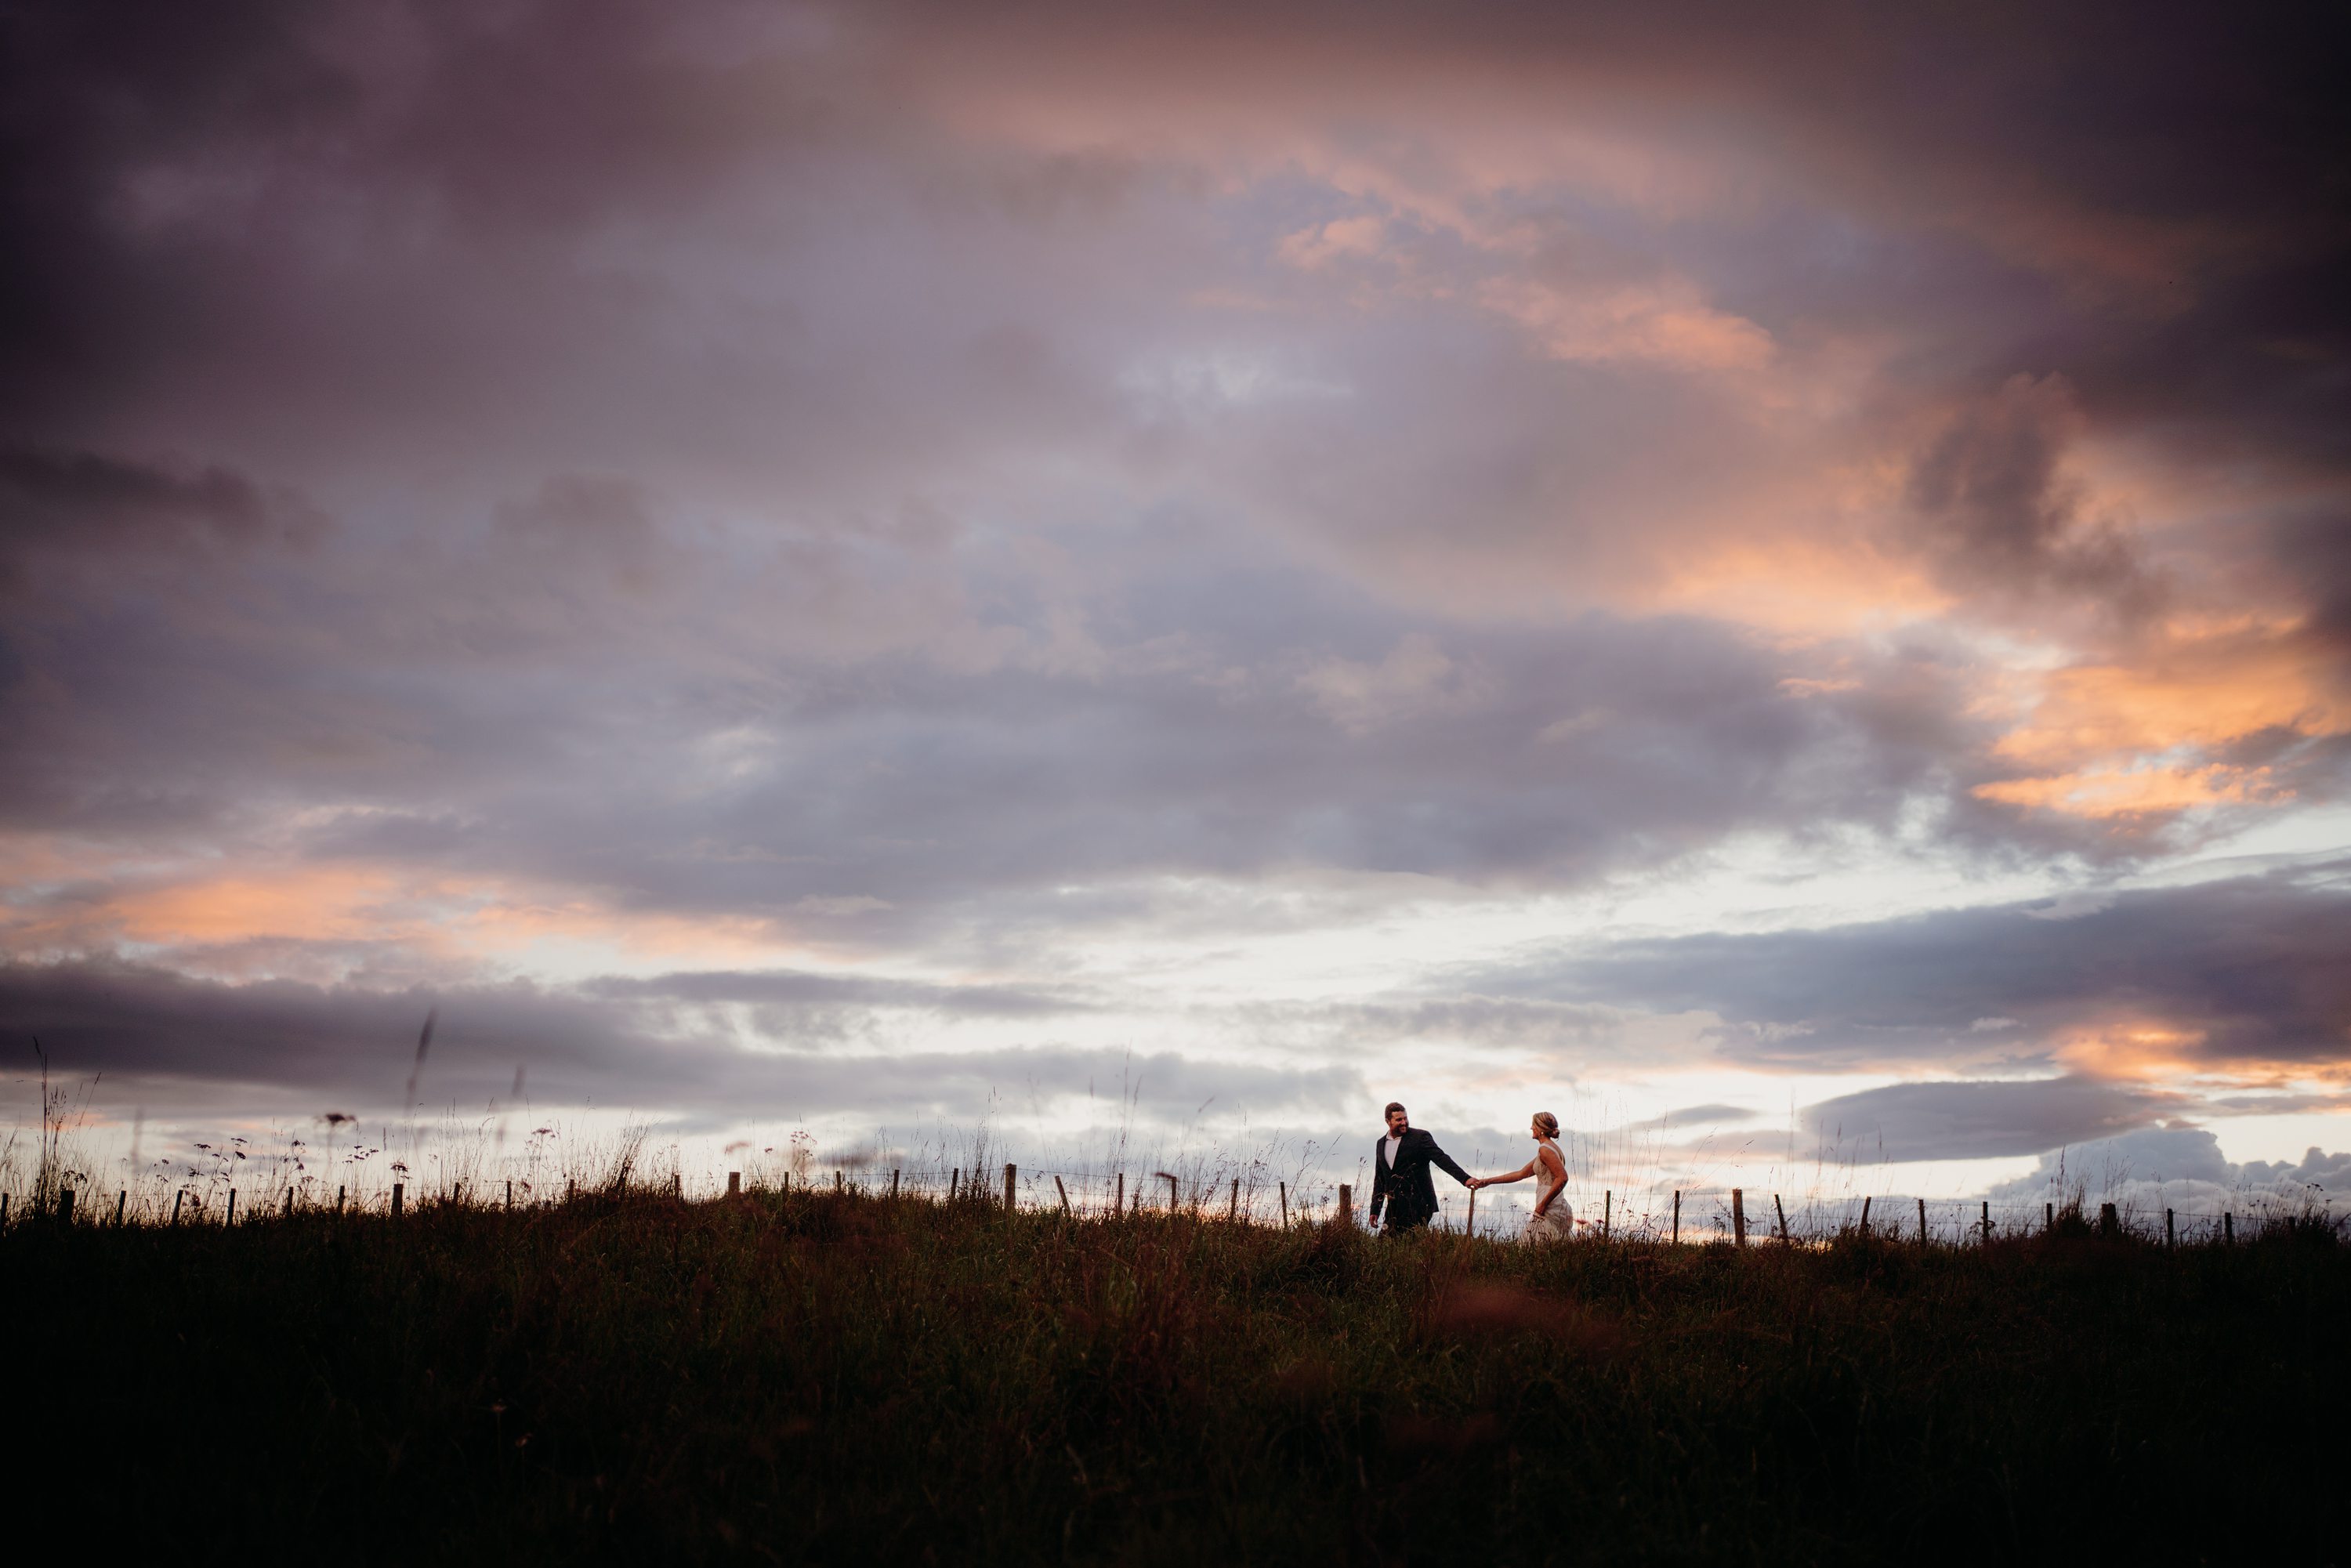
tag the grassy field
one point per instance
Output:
(825, 1378)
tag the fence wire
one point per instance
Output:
(1695, 1214)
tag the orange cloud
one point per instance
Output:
(2136, 792)
(1666, 323)
(1795, 586)
(438, 916)
(2113, 740)
(1317, 248)
(313, 903)
(2144, 1049)
(2203, 693)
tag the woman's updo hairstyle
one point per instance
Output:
(1548, 1122)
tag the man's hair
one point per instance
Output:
(1393, 1106)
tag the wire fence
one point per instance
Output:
(1697, 1215)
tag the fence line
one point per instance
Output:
(1253, 1200)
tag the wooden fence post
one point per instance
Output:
(397, 1191)
(1678, 1217)
(1865, 1216)
(1171, 1191)
(893, 1184)
(1062, 1190)
(232, 1207)
(1738, 1216)
(838, 1184)
(955, 1180)
(1783, 1218)
(1007, 1188)
(509, 1195)
(2228, 1230)
(2169, 1239)
(1987, 1222)
(1470, 1225)
(177, 1198)
(1607, 1203)
(64, 1204)
(2108, 1222)
(733, 1184)
(339, 1200)
(1346, 1203)
(1922, 1222)
(1283, 1190)
(1233, 1208)
(289, 1203)
(121, 1200)
(2048, 1217)
(1118, 1204)
(571, 1188)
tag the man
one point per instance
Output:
(1403, 1186)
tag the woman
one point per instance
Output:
(1553, 1219)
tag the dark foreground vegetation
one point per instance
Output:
(828, 1378)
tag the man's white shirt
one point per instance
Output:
(1390, 1144)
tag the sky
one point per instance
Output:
(1775, 582)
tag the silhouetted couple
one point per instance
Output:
(1403, 1189)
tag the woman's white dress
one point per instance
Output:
(1556, 1223)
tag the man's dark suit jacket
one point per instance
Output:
(1408, 1193)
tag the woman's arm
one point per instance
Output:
(1520, 1174)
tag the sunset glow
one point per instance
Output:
(867, 568)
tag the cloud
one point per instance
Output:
(2177, 1166)
(1416, 678)
(1999, 516)
(648, 346)
(536, 722)
(2240, 974)
(1977, 1120)
(85, 504)
(787, 987)
(652, 1044)
(1690, 1116)
(511, 491)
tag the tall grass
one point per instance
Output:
(808, 1375)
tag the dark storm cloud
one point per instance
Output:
(180, 172)
(2253, 966)
(2147, 203)
(169, 1038)
(87, 501)
(365, 240)
(2314, 546)
(1999, 516)
(1965, 1121)
(129, 1020)
(436, 216)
